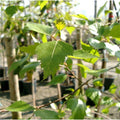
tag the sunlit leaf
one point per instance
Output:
(29, 49)
(28, 67)
(70, 29)
(101, 9)
(58, 79)
(40, 28)
(94, 94)
(52, 54)
(19, 106)
(77, 107)
(80, 16)
(46, 114)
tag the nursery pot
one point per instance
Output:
(27, 87)
(108, 82)
(1, 72)
(90, 102)
(41, 76)
(4, 85)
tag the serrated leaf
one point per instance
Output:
(77, 107)
(11, 10)
(70, 29)
(28, 67)
(40, 28)
(81, 54)
(29, 49)
(115, 31)
(15, 65)
(68, 16)
(19, 106)
(101, 9)
(80, 16)
(46, 114)
(94, 94)
(52, 54)
(96, 72)
(96, 44)
(58, 79)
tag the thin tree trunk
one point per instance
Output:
(13, 79)
(79, 38)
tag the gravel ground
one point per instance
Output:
(47, 93)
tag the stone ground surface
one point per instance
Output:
(47, 93)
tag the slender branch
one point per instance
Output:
(101, 115)
(38, 107)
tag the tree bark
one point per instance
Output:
(13, 79)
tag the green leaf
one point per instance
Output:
(29, 49)
(117, 70)
(115, 31)
(42, 4)
(40, 28)
(70, 29)
(81, 54)
(83, 68)
(117, 54)
(80, 16)
(28, 67)
(101, 9)
(96, 44)
(80, 22)
(98, 82)
(106, 100)
(96, 72)
(69, 63)
(105, 110)
(44, 38)
(11, 10)
(58, 79)
(104, 30)
(52, 54)
(68, 16)
(112, 89)
(107, 12)
(94, 94)
(15, 65)
(46, 114)
(60, 24)
(77, 107)
(19, 106)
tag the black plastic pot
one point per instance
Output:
(41, 76)
(4, 85)
(90, 102)
(1, 72)
(27, 87)
(108, 82)
(66, 89)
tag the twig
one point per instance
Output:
(101, 115)
(38, 107)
